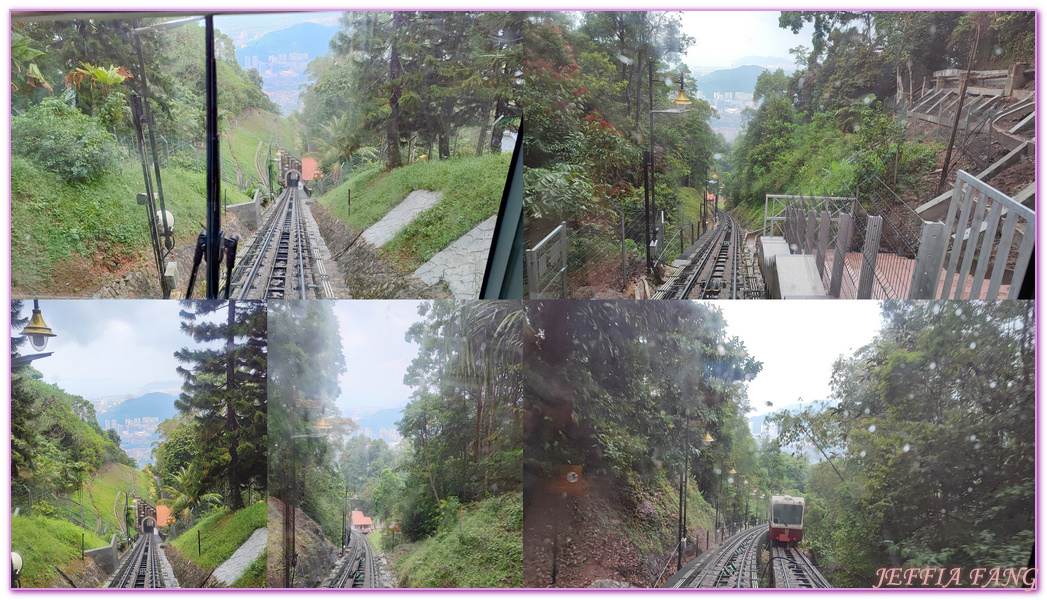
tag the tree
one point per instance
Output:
(23, 436)
(225, 392)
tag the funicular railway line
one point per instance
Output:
(791, 568)
(732, 564)
(713, 272)
(279, 263)
(357, 570)
(141, 569)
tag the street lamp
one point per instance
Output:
(37, 331)
(682, 529)
(648, 181)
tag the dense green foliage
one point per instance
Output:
(613, 386)
(934, 421)
(587, 113)
(479, 546)
(415, 78)
(64, 141)
(221, 534)
(827, 129)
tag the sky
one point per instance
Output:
(376, 354)
(798, 341)
(109, 347)
(724, 37)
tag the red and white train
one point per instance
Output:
(786, 527)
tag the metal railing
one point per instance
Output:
(987, 240)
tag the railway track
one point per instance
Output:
(713, 273)
(792, 569)
(731, 565)
(142, 568)
(357, 570)
(279, 264)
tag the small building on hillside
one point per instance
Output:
(361, 524)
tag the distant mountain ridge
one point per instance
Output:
(738, 79)
(153, 404)
(311, 38)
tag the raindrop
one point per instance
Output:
(908, 63)
(800, 83)
(720, 349)
(1010, 383)
(625, 59)
(730, 480)
(970, 489)
(519, 81)
(973, 438)
(27, 237)
(905, 448)
(959, 312)
(978, 446)
(862, 454)
(836, 85)
(973, 345)
(867, 411)
(717, 155)
(872, 429)
(981, 471)
(998, 51)
(857, 128)
(932, 29)
(912, 396)
(867, 99)
(846, 413)
(992, 385)
(937, 308)
(933, 366)
(483, 346)
(794, 248)
(717, 471)
(943, 511)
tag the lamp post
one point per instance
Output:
(730, 481)
(648, 180)
(290, 546)
(682, 529)
(37, 331)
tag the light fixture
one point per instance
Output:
(37, 330)
(681, 98)
(322, 425)
(708, 439)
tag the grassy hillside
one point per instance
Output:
(69, 232)
(252, 127)
(481, 549)
(221, 534)
(111, 482)
(46, 543)
(472, 191)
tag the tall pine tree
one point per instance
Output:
(225, 391)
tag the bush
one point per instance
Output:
(44, 508)
(64, 141)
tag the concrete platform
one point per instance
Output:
(768, 248)
(797, 277)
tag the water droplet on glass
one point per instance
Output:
(857, 128)
(937, 308)
(973, 345)
(958, 312)
(717, 471)
(932, 28)
(912, 396)
(862, 454)
(801, 82)
(27, 238)
(793, 248)
(943, 511)
(970, 489)
(730, 480)
(625, 59)
(1010, 383)
(872, 429)
(720, 349)
(867, 411)
(992, 385)
(973, 438)
(978, 446)
(998, 51)
(836, 85)
(717, 155)
(867, 100)
(905, 448)
(933, 366)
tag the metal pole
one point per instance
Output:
(214, 215)
(624, 272)
(650, 134)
